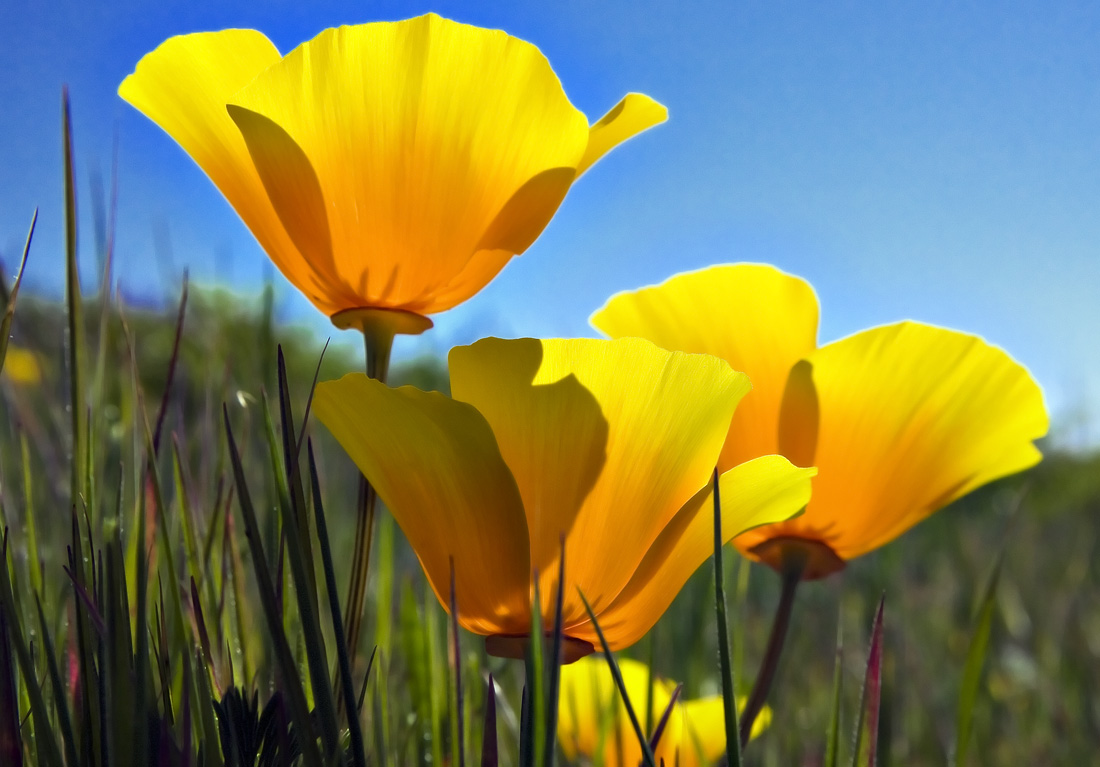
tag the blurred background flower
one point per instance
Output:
(21, 366)
(593, 722)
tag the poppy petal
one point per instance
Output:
(759, 492)
(421, 132)
(911, 417)
(757, 318)
(635, 113)
(183, 86)
(705, 727)
(606, 440)
(435, 464)
(592, 720)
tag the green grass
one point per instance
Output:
(172, 596)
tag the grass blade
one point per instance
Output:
(49, 753)
(729, 694)
(975, 660)
(9, 309)
(295, 517)
(11, 745)
(832, 740)
(65, 722)
(647, 752)
(74, 303)
(489, 735)
(659, 730)
(291, 682)
(864, 752)
(553, 683)
(532, 722)
(358, 754)
(459, 731)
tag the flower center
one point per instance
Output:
(515, 646)
(813, 558)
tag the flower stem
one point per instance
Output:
(378, 342)
(792, 576)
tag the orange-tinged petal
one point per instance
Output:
(421, 132)
(607, 440)
(183, 86)
(757, 318)
(911, 417)
(435, 464)
(635, 113)
(759, 492)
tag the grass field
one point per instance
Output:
(166, 583)
(1036, 703)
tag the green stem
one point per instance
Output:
(378, 343)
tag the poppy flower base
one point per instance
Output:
(813, 558)
(374, 320)
(515, 646)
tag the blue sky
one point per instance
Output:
(939, 161)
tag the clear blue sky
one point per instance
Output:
(938, 162)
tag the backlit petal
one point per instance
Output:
(606, 440)
(634, 114)
(421, 132)
(911, 418)
(436, 466)
(757, 318)
(759, 492)
(183, 86)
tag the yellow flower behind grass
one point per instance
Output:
(392, 165)
(900, 420)
(593, 722)
(21, 366)
(608, 446)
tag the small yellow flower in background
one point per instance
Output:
(21, 366)
(900, 419)
(392, 165)
(593, 722)
(610, 445)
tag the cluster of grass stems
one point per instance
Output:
(171, 579)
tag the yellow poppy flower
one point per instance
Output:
(605, 447)
(20, 366)
(593, 722)
(392, 165)
(900, 419)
